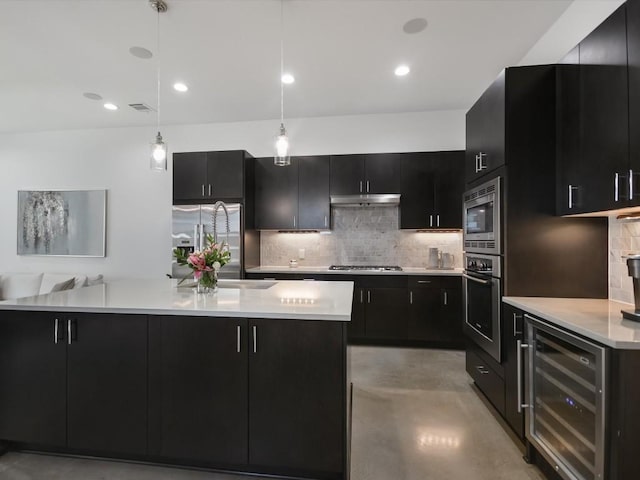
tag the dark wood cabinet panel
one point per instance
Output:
(356, 328)
(107, 383)
(604, 115)
(297, 395)
(417, 191)
(276, 195)
(199, 389)
(190, 176)
(382, 172)
(513, 325)
(486, 378)
(208, 176)
(225, 174)
(314, 210)
(474, 121)
(633, 50)
(347, 174)
(424, 310)
(386, 313)
(33, 374)
(448, 187)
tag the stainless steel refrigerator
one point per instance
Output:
(191, 224)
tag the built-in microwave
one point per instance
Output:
(481, 218)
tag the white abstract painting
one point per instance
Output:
(62, 222)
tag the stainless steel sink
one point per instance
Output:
(246, 284)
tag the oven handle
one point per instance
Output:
(478, 280)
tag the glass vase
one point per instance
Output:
(207, 283)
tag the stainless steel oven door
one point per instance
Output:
(482, 218)
(482, 311)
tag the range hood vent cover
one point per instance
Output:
(382, 199)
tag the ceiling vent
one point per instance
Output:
(141, 107)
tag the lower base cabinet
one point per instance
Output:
(265, 396)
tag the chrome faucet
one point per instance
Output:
(214, 221)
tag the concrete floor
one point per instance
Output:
(416, 417)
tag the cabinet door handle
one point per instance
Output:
(361, 296)
(294, 221)
(255, 339)
(69, 333)
(55, 331)
(238, 344)
(630, 184)
(481, 165)
(360, 186)
(431, 220)
(367, 186)
(325, 222)
(520, 346)
(445, 298)
(515, 324)
(572, 202)
(203, 190)
(411, 297)
(482, 370)
(424, 281)
(616, 180)
(438, 220)
(368, 296)
(477, 164)
(269, 278)
(210, 189)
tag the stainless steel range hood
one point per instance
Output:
(381, 199)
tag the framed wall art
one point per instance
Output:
(62, 222)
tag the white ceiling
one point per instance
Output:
(342, 53)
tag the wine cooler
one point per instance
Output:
(565, 394)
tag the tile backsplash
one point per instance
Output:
(366, 235)
(624, 238)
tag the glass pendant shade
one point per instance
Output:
(159, 154)
(282, 157)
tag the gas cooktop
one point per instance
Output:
(368, 268)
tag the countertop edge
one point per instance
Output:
(521, 303)
(407, 271)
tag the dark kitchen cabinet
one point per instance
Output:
(513, 328)
(604, 115)
(435, 310)
(485, 131)
(295, 197)
(53, 376)
(633, 50)
(431, 190)
(276, 195)
(357, 325)
(363, 174)
(386, 313)
(33, 374)
(569, 182)
(201, 177)
(198, 410)
(297, 393)
(107, 360)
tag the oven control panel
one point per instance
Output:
(485, 264)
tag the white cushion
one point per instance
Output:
(18, 285)
(95, 280)
(56, 282)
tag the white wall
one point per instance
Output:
(139, 200)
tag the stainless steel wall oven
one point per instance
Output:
(482, 218)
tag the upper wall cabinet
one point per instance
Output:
(362, 174)
(431, 190)
(204, 177)
(633, 39)
(485, 123)
(295, 197)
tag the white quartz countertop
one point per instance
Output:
(325, 270)
(596, 319)
(235, 298)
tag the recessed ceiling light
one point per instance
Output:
(288, 79)
(415, 25)
(180, 87)
(402, 70)
(141, 52)
(110, 106)
(92, 96)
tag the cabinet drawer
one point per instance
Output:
(487, 380)
(430, 281)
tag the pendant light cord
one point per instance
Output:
(281, 62)
(158, 68)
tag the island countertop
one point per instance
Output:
(597, 319)
(235, 298)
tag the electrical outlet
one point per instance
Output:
(301, 253)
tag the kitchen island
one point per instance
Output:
(253, 378)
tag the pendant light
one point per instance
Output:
(282, 157)
(158, 148)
